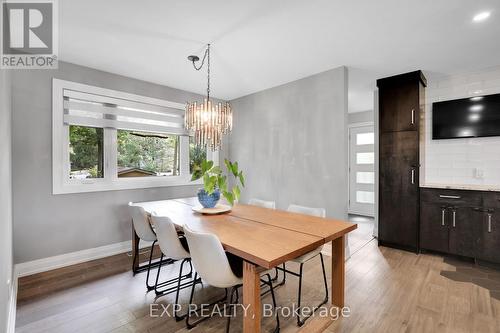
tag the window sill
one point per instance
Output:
(99, 185)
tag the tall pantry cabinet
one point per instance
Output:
(401, 101)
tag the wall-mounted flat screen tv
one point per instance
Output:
(466, 118)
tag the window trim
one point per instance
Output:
(62, 184)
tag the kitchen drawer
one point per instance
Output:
(451, 197)
(491, 200)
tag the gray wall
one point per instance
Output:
(5, 198)
(291, 142)
(44, 224)
(360, 117)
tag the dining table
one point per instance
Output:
(264, 238)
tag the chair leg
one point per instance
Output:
(276, 275)
(277, 328)
(158, 274)
(229, 305)
(299, 321)
(149, 267)
(284, 276)
(173, 285)
(188, 315)
(324, 278)
(177, 317)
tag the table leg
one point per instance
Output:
(251, 298)
(338, 271)
(135, 251)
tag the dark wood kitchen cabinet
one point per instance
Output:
(487, 236)
(399, 187)
(434, 232)
(400, 99)
(487, 231)
(462, 221)
(459, 222)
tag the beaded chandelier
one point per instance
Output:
(208, 121)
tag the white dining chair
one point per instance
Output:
(319, 212)
(270, 205)
(145, 232)
(262, 203)
(211, 263)
(174, 246)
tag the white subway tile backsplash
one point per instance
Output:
(460, 161)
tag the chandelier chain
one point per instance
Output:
(206, 56)
(208, 73)
(207, 121)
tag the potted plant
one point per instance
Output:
(215, 182)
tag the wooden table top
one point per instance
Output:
(263, 236)
(326, 228)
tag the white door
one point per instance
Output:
(362, 170)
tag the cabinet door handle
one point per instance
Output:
(413, 176)
(449, 196)
(413, 116)
(454, 218)
(489, 222)
(443, 213)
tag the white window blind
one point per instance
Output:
(93, 110)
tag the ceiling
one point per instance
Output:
(260, 44)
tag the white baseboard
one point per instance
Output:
(63, 260)
(68, 259)
(11, 319)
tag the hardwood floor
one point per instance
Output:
(387, 291)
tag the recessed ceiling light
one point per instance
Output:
(476, 108)
(481, 16)
(477, 98)
(474, 117)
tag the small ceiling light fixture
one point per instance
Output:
(476, 98)
(481, 16)
(207, 121)
(474, 117)
(476, 108)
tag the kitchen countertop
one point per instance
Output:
(492, 188)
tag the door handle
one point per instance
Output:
(413, 116)
(454, 218)
(449, 196)
(413, 176)
(443, 213)
(489, 222)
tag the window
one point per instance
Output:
(109, 140)
(86, 152)
(365, 177)
(143, 154)
(365, 197)
(196, 155)
(365, 138)
(365, 158)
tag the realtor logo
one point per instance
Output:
(29, 34)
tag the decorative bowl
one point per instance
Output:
(208, 200)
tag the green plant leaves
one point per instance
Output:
(236, 192)
(197, 173)
(206, 166)
(216, 170)
(214, 178)
(221, 183)
(229, 197)
(209, 183)
(242, 178)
